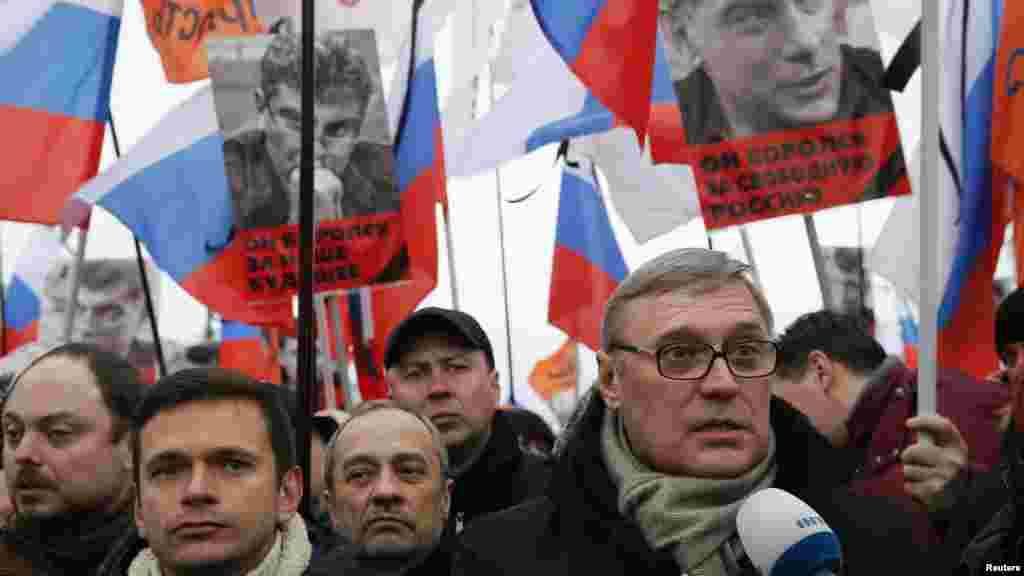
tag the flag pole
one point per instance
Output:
(501, 240)
(348, 385)
(819, 260)
(326, 374)
(306, 353)
(748, 247)
(73, 281)
(158, 345)
(929, 210)
(451, 257)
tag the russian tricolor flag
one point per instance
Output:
(973, 217)
(420, 171)
(609, 45)
(57, 62)
(588, 264)
(242, 348)
(172, 192)
(23, 298)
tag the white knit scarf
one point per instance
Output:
(289, 555)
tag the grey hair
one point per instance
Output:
(372, 406)
(698, 270)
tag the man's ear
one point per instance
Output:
(289, 495)
(608, 384)
(823, 371)
(124, 453)
(839, 21)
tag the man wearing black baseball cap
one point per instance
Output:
(440, 364)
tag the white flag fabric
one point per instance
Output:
(895, 255)
(651, 199)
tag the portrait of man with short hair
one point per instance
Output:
(258, 89)
(749, 67)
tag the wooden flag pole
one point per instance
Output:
(351, 387)
(306, 367)
(748, 247)
(326, 374)
(73, 282)
(819, 260)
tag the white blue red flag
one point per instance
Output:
(588, 263)
(245, 348)
(610, 46)
(57, 61)
(23, 297)
(972, 205)
(171, 191)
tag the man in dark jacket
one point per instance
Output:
(652, 471)
(389, 494)
(67, 461)
(839, 376)
(440, 364)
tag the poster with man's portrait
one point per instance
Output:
(110, 311)
(782, 109)
(257, 83)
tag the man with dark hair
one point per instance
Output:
(389, 493)
(680, 430)
(352, 177)
(217, 483)
(440, 364)
(866, 403)
(764, 66)
(67, 460)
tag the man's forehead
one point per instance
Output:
(383, 434)
(205, 425)
(728, 308)
(55, 385)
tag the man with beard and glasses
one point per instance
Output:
(440, 364)
(388, 493)
(67, 461)
(217, 484)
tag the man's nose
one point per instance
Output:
(719, 381)
(200, 486)
(27, 449)
(387, 487)
(438, 384)
(804, 30)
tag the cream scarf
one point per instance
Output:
(289, 555)
(693, 515)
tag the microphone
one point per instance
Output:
(783, 536)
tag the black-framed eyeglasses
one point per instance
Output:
(693, 361)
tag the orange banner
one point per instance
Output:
(178, 30)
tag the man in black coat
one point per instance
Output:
(653, 469)
(440, 364)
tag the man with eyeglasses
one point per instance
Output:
(352, 176)
(681, 428)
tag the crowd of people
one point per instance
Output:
(700, 403)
